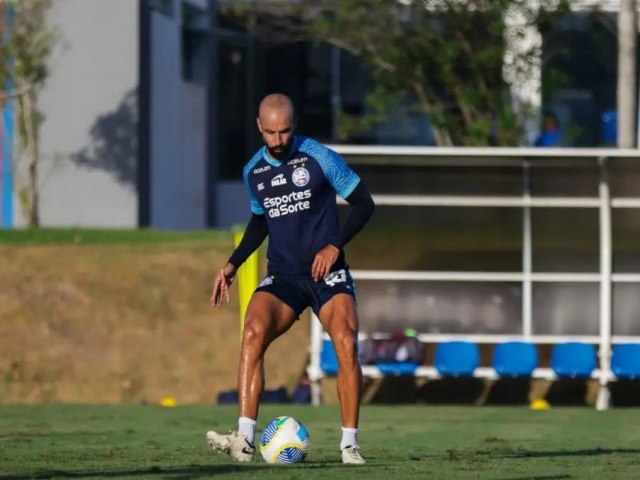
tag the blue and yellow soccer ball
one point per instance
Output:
(284, 440)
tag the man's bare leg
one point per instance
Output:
(266, 319)
(340, 320)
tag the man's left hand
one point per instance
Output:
(323, 261)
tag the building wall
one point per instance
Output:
(178, 128)
(233, 204)
(89, 136)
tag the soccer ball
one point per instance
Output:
(284, 440)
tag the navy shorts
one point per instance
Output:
(302, 292)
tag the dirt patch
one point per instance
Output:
(124, 323)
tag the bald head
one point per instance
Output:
(276, 103)
(276, 122)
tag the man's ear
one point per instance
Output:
(259, 125)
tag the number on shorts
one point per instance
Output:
(339, 276)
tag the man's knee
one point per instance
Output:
(254, 334)
(345, 343)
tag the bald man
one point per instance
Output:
(292, 183)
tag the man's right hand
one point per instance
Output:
(221, 283)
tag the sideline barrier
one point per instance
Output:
(524, 159)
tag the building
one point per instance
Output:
(150, 110)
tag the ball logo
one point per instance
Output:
(300, 177)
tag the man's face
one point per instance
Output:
(277, 128)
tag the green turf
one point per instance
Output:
(76, 236)
(66, 441)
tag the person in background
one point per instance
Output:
(551, 134)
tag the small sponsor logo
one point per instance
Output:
(266, 281)
(300, 177)
(262, 169)
(296, 161)
(260, 186)
(278, 180)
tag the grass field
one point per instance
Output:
(88, 236)
(119, 282)
(136, 441)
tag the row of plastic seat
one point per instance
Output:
(510, 359)
(515, 359)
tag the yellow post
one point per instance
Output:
(247, 280)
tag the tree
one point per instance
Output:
(445, 57)
(28, 43)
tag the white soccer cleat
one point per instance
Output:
(352, 455)
(234, 445)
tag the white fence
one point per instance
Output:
(489, 158)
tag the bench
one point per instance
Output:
(511, 358)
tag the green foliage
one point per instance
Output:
(28, 45)
(26, 51)
(443, 58)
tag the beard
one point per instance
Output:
(280, 151)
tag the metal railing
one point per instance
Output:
(500, 157)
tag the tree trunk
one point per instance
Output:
(627, 34)
(31, 152)
(441, 135)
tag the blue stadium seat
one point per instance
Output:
(573, 359)
(456, 358)
(328, 358)
(397, 369)
(515, 359)
(329, 363)
(625, 361)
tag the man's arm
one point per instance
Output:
(254, 235)
(361, 211)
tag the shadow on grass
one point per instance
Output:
(575, 453)
(591, 452)
(395, 390)
(509, 391)
(176, 473)
(541, 477)
(625, 393)
(511, 454)
(567, 392)
(451, 391)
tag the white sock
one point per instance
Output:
(349, 437)
(247, 428)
